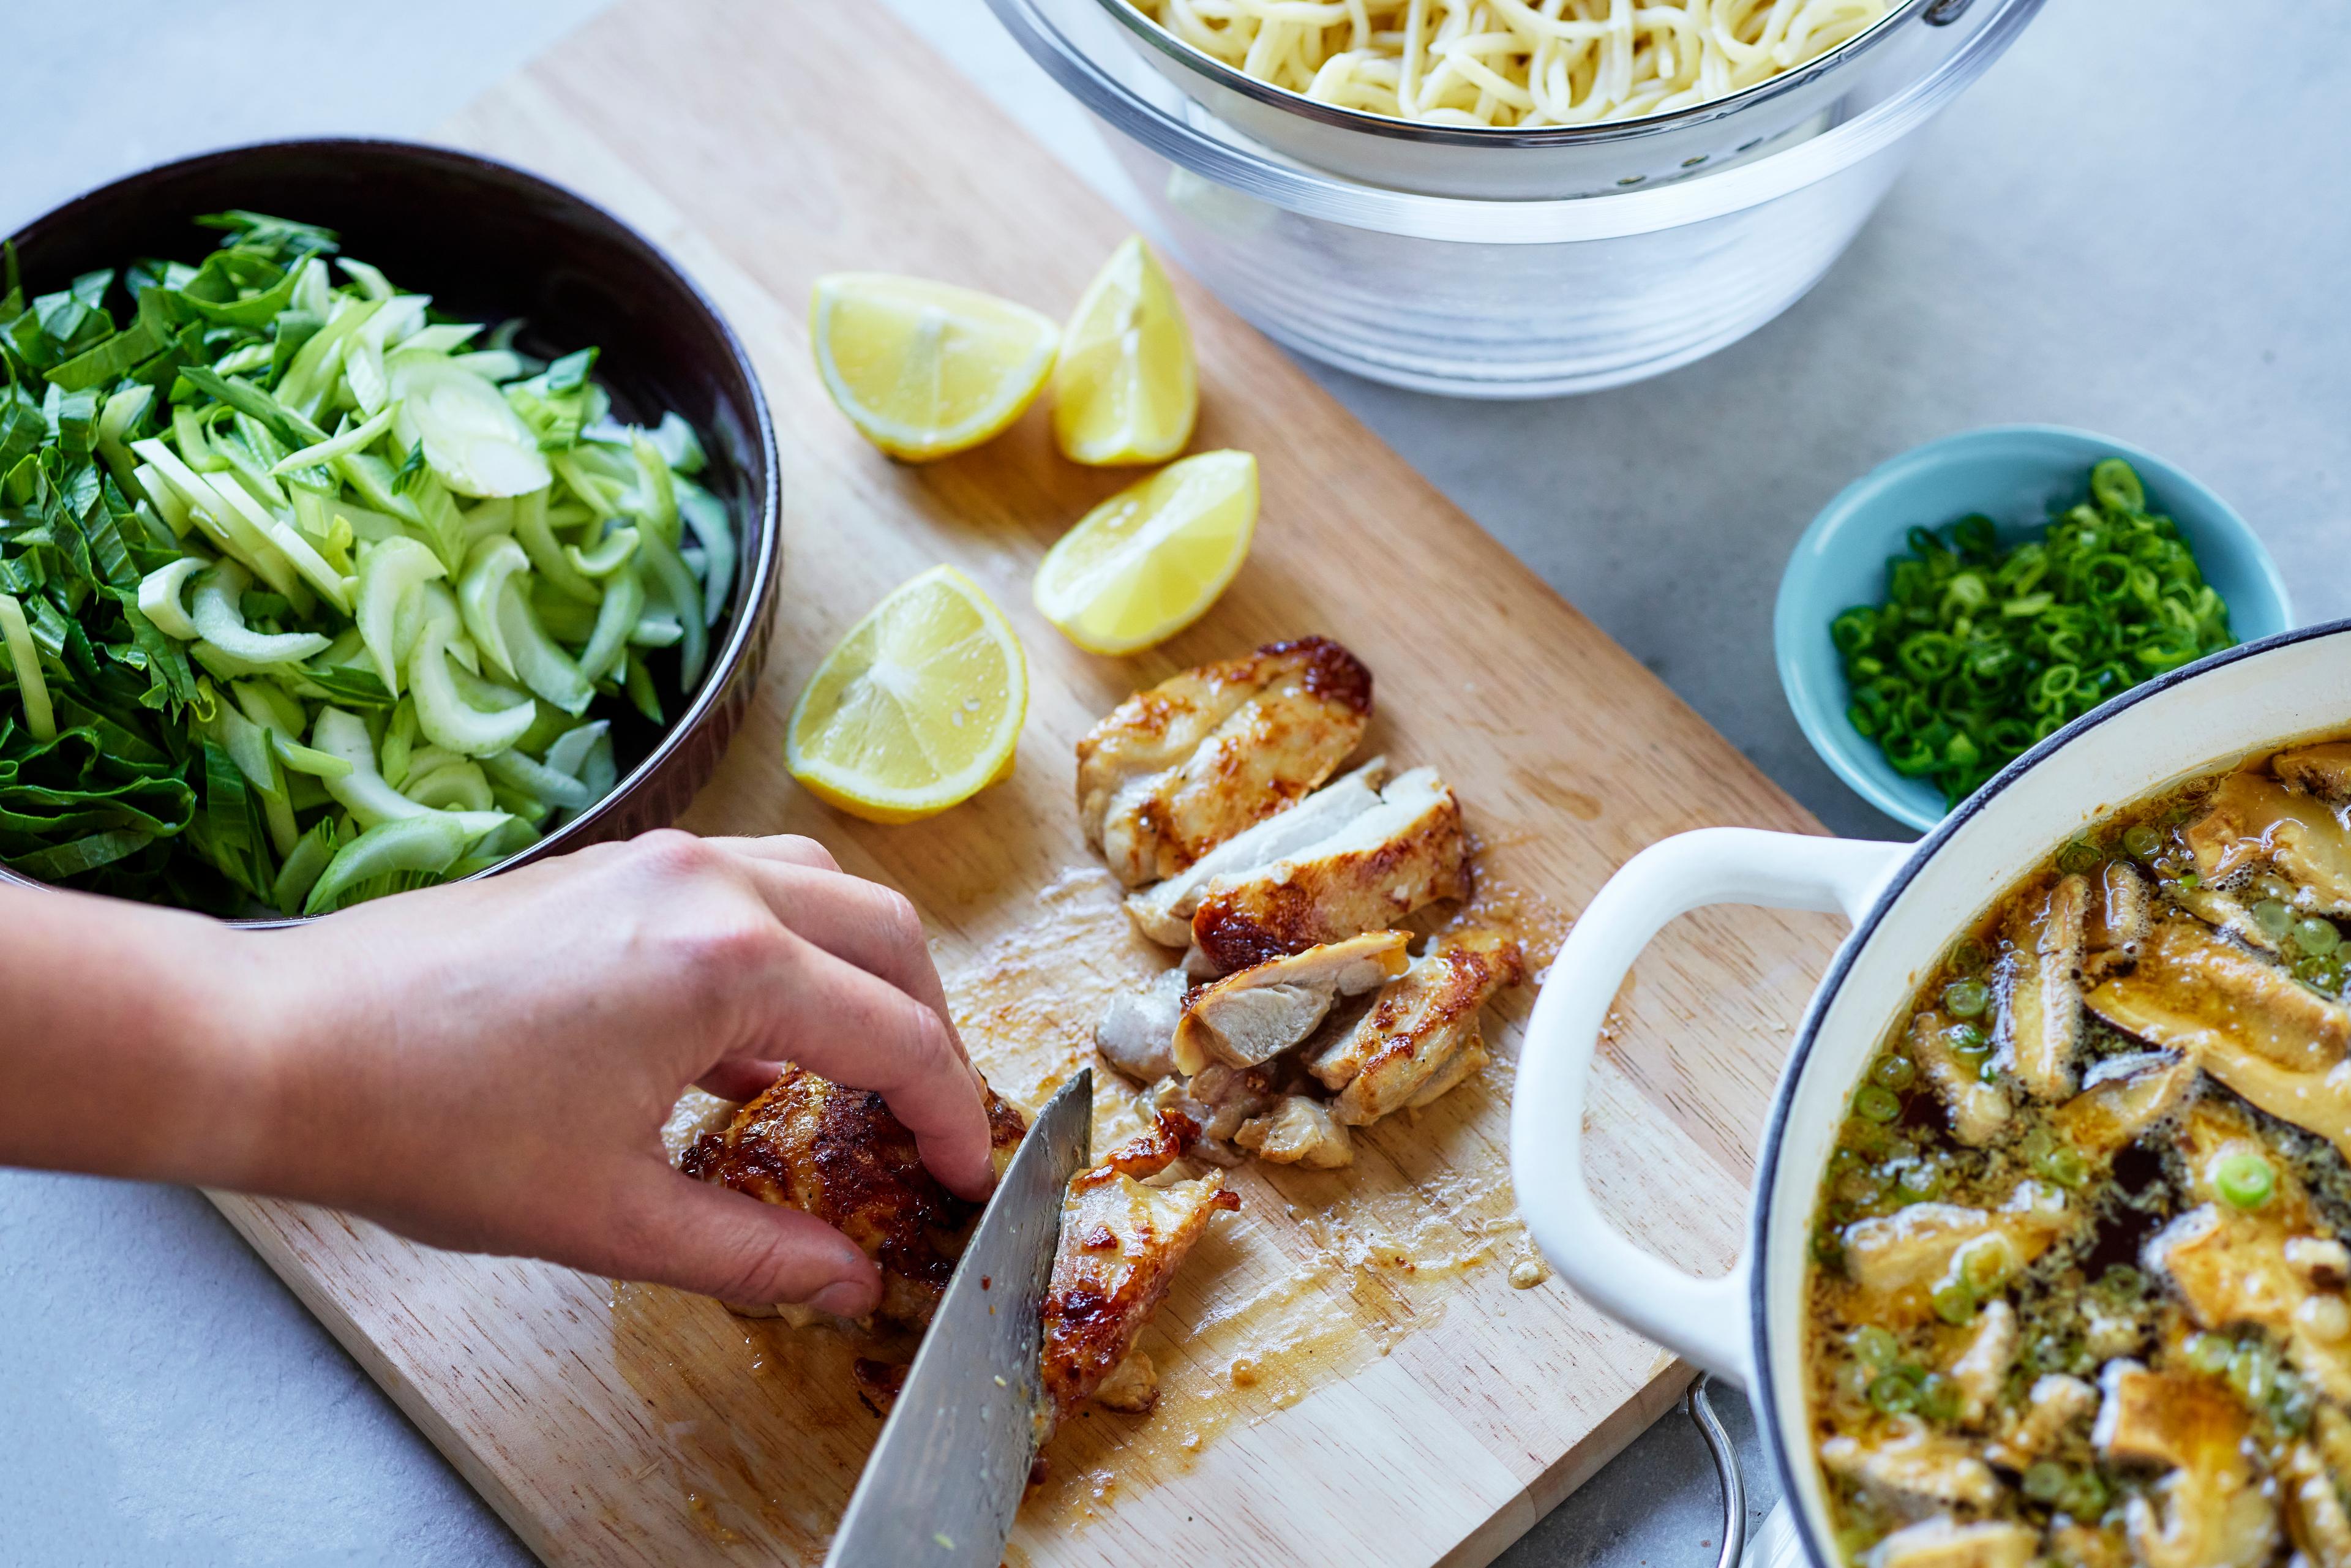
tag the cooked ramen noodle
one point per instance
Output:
(2078, 1282)
(1510, 62)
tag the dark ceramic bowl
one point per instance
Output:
(488, 242)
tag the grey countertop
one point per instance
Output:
(2143, 232)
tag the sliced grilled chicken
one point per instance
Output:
(2120, 918)
(2243, 1020)
(1978, 1109)
(1164, 912)
(1137, 1032)
(838, 1154)
(2321, 770)
(1119, 1247)
(1299, 1132)
(2040, 1024)
(1176, 770)
(1254, 1015)
(2251, 818)
(1408, 851)
(1420, 1032)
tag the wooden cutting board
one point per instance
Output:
(1350, 1372)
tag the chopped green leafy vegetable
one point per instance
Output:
(307, 594)
(1979, 652)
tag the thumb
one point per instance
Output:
(678, 1232)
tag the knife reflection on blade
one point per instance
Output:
(943, 1484)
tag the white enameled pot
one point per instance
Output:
(1907, 904)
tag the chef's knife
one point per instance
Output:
(944, 1483)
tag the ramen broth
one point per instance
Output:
(2076, 1291)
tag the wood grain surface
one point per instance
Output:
(1352, 1375)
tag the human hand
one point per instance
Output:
(487, 1066)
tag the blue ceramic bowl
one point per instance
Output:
(2012, 474)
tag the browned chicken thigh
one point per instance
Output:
(838, 1154)
(1176, 770)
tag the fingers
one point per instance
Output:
(857, 1029)
(860, 922)
(783, 849)
(739, 1079)
(672, 1231)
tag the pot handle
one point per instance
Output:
(1703, 1320)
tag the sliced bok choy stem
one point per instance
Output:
(493, 564)
(361, 791)
(454, 785)
(300, 870)
(669, 573)
(428, 843)
(539, 660)
(624, 601)
(390, 575)
(219, 622)
(607, 557)
(569, 751)
(538, 781)
(24, 657)
(445, 717)
(159, 597)
(357, 438)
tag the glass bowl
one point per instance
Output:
(1534, 298)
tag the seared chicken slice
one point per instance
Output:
(1298, 1131)
(2122, 1097)
(1944, 1543)
(2251, 818)
(838, 1154)
(1137, 1032)
(1254, 1015)
(2265, 1264)
(1134, 1387)
(1408, 851)
(1898, 1259)
(1176, 770)
(1119, 1247)
(2246, 1022)
(2321, 770)
(1978, 1111)
(2211, 1512)
(1914, 1470)
(1164, 912)
(1981, 1368)
(2122, 913)
(2039, 1023)
(1421, 1026)
(2056, 1403)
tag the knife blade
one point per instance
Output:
(943, 1484)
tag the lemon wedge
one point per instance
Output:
(919, 708)
(1127, 389)
(1150, 561)
(925, 370)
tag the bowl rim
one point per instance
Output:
(1340, 116)
(1801, 663)
(759, 562)
(1646, 209)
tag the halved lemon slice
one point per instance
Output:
(1127, 389)
(918, 709)
(926, 368)
(1150, 561)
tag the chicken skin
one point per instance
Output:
(1408, 851)
(809, 1144)
(1119, 1247)
(1420, 1037)
(1176, 770)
